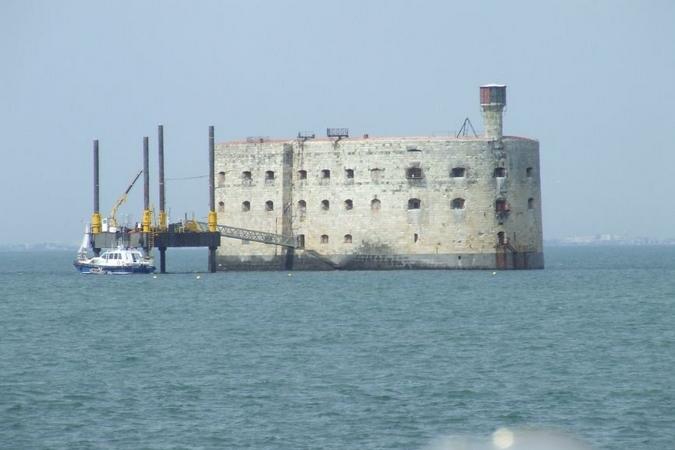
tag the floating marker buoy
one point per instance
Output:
(290, 274)
(154, 276)
(494, 273)
(198, 277)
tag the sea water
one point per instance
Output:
(338, 360)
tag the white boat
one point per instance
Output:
(121, 260)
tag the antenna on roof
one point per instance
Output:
(464, 131)
(304, 135)
(337, 132)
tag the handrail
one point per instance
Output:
(252, 235)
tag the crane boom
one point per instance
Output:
(112, 219)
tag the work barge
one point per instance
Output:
(163, 235)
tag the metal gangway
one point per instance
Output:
(252, 235)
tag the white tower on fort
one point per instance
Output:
(492, 102)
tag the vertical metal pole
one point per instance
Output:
(96, 180)
(212, 181)
(213, 218)
(162, 260)
(147, 214)
(146, 174)
(162, 199)
(96, 215)
(212, 259)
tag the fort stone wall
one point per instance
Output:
(381, 202)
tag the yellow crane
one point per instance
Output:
(112, 219)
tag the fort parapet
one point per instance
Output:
(385, 203)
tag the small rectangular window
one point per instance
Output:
(457, 172)
(414, 173)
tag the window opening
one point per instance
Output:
(348, 238)
(349, 173)
(246, 178)
(221, 206)
(414, 203)
(458, 172)
(500, 172)
(414, 173)
(245, 206)
(301, 241)
(324, 239)
(302, 206)
(458, 203)
(269, 177)
(221, 178)
(302, 174)
(416, 237)
(501, 205)
(530, 203)
(349, 204)
(269, 205)
(375, 204)
(528, 172)
(500, 238)
(325, 205)
(325, 173)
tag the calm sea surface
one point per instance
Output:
(337, 360)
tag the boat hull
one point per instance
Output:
(88, 268)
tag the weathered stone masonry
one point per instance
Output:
(385, 203)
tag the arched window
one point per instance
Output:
(301, 241)
(302, 174)
(457, 203)
(349, 204)
(324, 239)
(221, 206)
(500, 172)
(501, 240)
(375, 204)
(528, 172)
(245, 206)
(269, 205)
(530, 203)
(325, 205)
(302, 206)
(348, 238)
(458, 172)
(414, 203)
(221, 178)
(376, 175)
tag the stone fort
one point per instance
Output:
(465, 202)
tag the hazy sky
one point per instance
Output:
(593, 81)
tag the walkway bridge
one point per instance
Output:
(252, 235)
